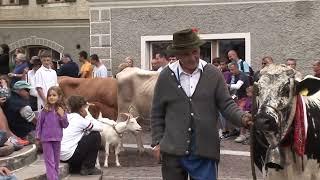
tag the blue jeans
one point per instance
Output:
(12, 177)
(3, 138)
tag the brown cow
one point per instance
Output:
(99, 91)
(135, 94)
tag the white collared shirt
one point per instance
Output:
(187, 81)
(45, 78)
(100, 72)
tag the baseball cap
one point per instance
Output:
(21, 85)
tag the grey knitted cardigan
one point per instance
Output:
(175, 116)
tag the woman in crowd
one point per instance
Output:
(19, 70)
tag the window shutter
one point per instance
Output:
(41, 1)
(23, 2)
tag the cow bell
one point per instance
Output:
(275, 158)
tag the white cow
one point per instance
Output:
(135, 93)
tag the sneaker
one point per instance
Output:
(235, 132)
(225, 135)
(22, 141)
(93, 171)
(17, 146)
(240, 138)
(247, 141)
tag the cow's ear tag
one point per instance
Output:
(304, 92)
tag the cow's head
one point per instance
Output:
(274, 102)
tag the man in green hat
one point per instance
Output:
(188, 96)
(21, 118)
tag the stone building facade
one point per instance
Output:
(61, 26)
(279, 28)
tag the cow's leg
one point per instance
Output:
(117, 151)
(107, 155)
(139, 142)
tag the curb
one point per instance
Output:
(20, 158)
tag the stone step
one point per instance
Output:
(21, 158)
(79, 177)
(37, 171)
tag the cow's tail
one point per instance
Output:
(253, 169)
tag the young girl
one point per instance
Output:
(49, 130)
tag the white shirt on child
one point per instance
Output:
(45, 78)
(100, 71)
(78, 126)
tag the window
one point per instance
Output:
(216, 45)
(54, 1)
(13, 2)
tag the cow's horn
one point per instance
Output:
(129, 116)
(275, 158)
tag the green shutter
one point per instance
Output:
(23, 2)
(41, 1)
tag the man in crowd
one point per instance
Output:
(238, 85)
(243, 66)
(99, 69)
(162, 59)
(293, 64)
(86, 68)
(155, 65)
(180, 130)
(21, 118)
(69, 67)
(172, 59)
(316, 68)
(264, 62)
(45, 77)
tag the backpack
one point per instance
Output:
(251, 73)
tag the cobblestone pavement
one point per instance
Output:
(137, 166)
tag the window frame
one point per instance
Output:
(147, 40)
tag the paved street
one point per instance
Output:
(234, 164)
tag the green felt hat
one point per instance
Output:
(184, 40)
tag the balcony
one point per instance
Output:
(13, 2)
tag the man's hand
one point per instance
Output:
(60, 111)
(246, 120)
(4, 171)
(11, 75)
(156, 152)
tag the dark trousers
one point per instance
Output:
(171, 168)
(86, 153)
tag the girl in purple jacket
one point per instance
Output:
(50, 122)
